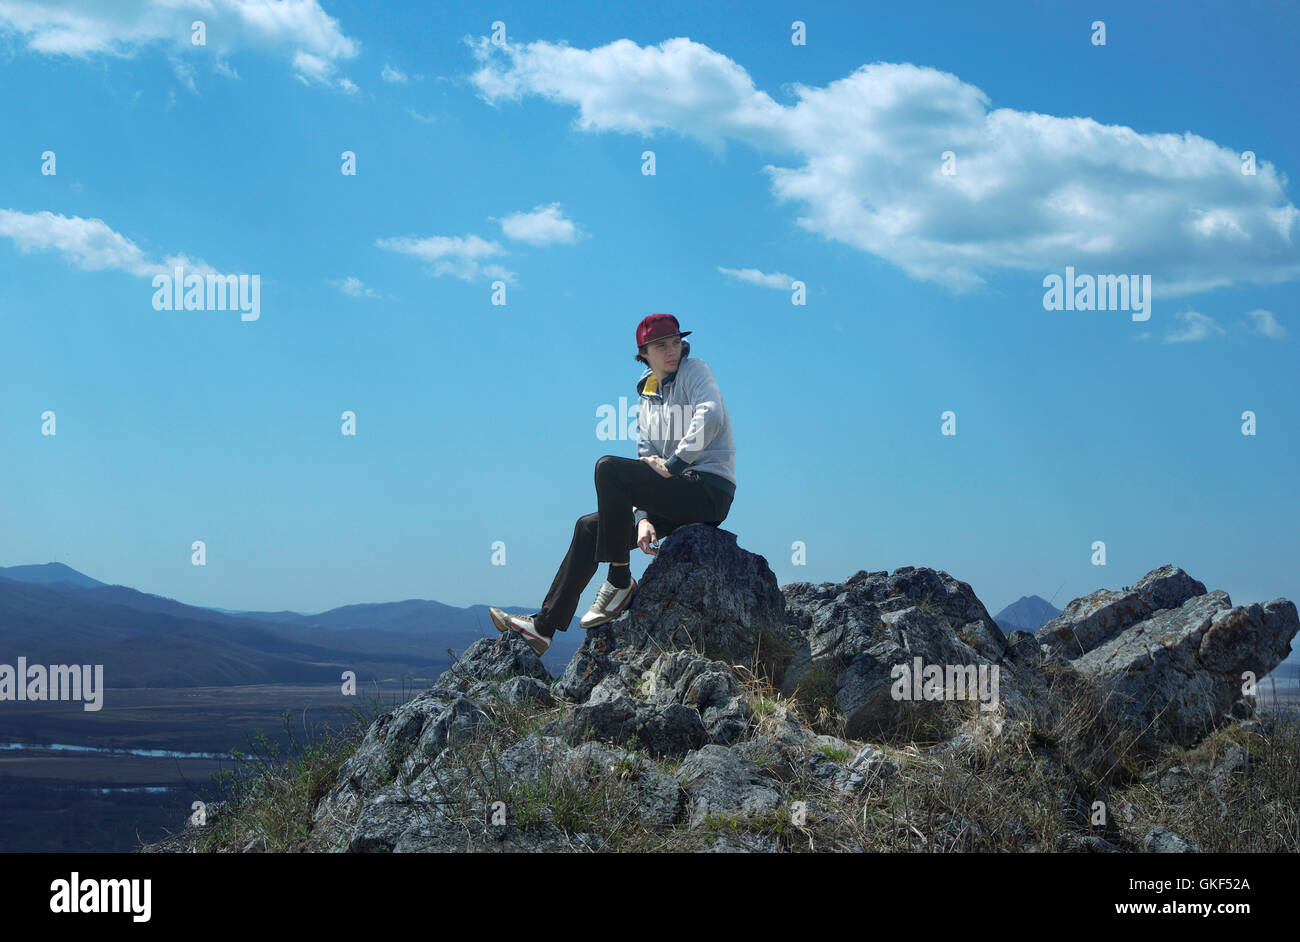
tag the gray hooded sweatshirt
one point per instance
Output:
(684, 420)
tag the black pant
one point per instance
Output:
(609, 534)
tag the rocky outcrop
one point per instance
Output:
(702, 592)
(661, 707)
(857, 633)
(1170, 659)
(1092, 620)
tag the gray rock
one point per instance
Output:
(772, 756)
(701, 591)
(489, 659)
(1173, 677)
(454, 725)
(843, 620)
(1161, 840)
(397, 747)
(710, 687)
(1085, 844)
(786, 728)
(1092, 620)
(873, 763)
(1176, 783)
(744, 843)
(384, 819)
(1233, 762)
(671, 730)
(717, 781)
(834, 743)
(452, 837)
(859, 631)
(658, 797)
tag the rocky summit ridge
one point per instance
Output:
(724, 712)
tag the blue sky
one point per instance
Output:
(521, 162)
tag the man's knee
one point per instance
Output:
(587, 523)
(606, 464)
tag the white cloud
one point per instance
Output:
(459, 256)
(184, 72)
(1196, 326)
(390, 74)
(1266, 323)
(545, 225)
(756, 277)
(296, 30)
(422, 118)
(356, 288)
(89, 244)
(1032, 192)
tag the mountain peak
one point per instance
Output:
(1027, 613)
(49, 574)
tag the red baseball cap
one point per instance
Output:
(656, 327)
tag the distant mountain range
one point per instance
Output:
(1027, 613)
(52, 614)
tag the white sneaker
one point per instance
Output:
(611, 602)
(522, 624)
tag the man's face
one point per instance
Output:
(664, 354)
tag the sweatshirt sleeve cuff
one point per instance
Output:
(676, 465)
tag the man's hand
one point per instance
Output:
(659, 464)
(645, 536)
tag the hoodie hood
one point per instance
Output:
(649, 384)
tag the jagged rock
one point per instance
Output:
(873, 763)
(515, 690)
(786, 728)
(1022, 647)
(453, 725)
(384, 819)
(1233, 762)
(701, 591)
(843, 619)
(833, 743)
(1173, 676)
(1176, 783)
(453, 837)
(405, 740)
(658, 796)
(717, 781)
(772, 756)
(671, 730)
(708, 686)
(1094, 619)
(866, 765)
(1161, 840)
(1165, 660)
(858, 631)
(1085, 844)
(490, 659)
(744, 843)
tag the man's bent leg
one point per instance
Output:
(616, 529)
(575, 572)
(622, 483)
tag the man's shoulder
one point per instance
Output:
(691, 367)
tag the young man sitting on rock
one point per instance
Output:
(681, 475)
